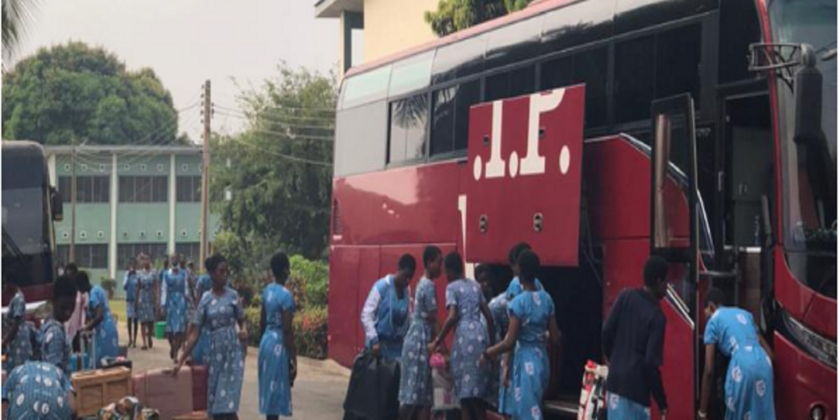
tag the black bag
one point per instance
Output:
(373, 392)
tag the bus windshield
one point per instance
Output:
(809, 199)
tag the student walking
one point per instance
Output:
(498, 308)
(201, 350)
(633, 339)
(531, 315)
(416, 375)
(101, 322)
(385, 314)
(17, 343)
(749, 378)
(146, 300)
(465, 305)
(55, 348)
(220, 312)
(130, 288)
(175, 283)
(277, 361)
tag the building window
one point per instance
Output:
(128, 252)
(407, 135)
(143, 189)
(190, 250)
(89, 189)
(450, 116)
(88, 256)
(188, 189)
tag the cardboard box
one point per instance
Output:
(97, 388)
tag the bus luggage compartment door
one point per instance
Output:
(525, 155)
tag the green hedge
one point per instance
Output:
(310, 331)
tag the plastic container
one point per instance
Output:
(160, 330)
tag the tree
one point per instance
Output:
(17, 14)
(280, 172)
(455, 15)
(72, 92)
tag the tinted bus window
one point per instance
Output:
(590, 67)
(407, 135)
(366, 87)
(510, 84)
(556, 73)
(678, 62)
(459, 59)
(738, 28)
(450, 116)
(411, 74)
(635, 63)
(360, 143)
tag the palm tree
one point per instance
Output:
(17, 14)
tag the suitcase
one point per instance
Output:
(199, 379)
(593, 404)
(195, 415)
(98, 388)
(87, 345)
(169, 395)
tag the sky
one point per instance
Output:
(189, 41)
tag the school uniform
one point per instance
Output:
(105, 334)
(130, 287)
(176, 301)
(20, 349)
(146, 296)
(385, 318)
(37, 391)
(513, 290)
(530, 365)
(470, 339)
(415, 372)
(748, 389)
(496, 393)
(273, 374)
(55, 349)
(201, 351)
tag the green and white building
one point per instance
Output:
(129, 199)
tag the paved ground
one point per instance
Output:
(318, 393)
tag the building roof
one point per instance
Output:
(163, 150)
(334, 8)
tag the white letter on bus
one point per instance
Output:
(533, 163)
(496, 165)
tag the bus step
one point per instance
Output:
(567, 408)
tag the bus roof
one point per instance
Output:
(22, 148)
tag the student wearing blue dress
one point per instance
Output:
(17, 344)
(515, 286)
(749, 378)
(130, 288)
(221, 312)
(277, 361)
(146, 300)
(465, 305)
(100, 321)
(175, 282)
(38, 390)
(200, 352)
(415, 393)
(385, 314)
(498, 308)
(531, 316)
(55, 348)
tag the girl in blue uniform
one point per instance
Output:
(100, 322)
(55, 348)
(531, 315)
(146, 300)
(200, 352)
(749, 379)
(38, 390)
(175, 281)
(220, 312)
(415, 373)
(130, 287)
(498, 305)
(385, 314)
(278, 357)
(17, 344)
(465, 305)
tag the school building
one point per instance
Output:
(129, 199)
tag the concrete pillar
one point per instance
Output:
(51, 168)
(112, 243)
(347, 23)
(172, 196)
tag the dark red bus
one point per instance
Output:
(601, 132)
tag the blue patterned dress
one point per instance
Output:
(749, 378)
(145, 304)
(176, 301)
(495, 392)
(105, 333)
(220, 313)
(36, 391)
(130, 287)
(20, 349)
(201, 351)
(55, 349)
(531, 370)
(515, 288)
(273, 362)
(470, 339)
(415, 372)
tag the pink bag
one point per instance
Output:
(442, 385)
(170, 395)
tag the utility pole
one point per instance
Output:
(205, 173)
(73, 202)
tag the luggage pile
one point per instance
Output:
(593, 401)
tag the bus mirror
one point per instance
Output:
(57, 205)
(808, 85)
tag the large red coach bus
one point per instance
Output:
(601, 132)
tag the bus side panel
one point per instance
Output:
(343, 318)
(801, 382)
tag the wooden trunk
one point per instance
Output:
(97, 388)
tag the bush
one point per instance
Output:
(308, 282)
(310, 331)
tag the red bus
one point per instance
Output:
(601, 132)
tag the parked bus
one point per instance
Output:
(601, 132)
(30, 205)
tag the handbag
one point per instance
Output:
(373, 391)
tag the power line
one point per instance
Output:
(282, 155)
(301, 127)
(270, 113)
(318, 109)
